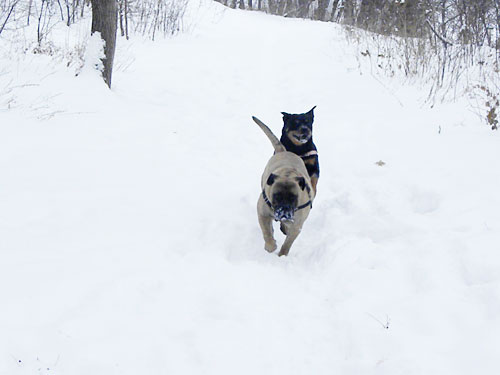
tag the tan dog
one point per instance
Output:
(286, 195)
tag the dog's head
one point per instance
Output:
(283, 192)
(298, 127)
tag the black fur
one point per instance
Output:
(302, 182)
(270, 179)
(302, 124)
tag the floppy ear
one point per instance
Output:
(270, 179)
(302, 182)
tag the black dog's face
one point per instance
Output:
(298, 127)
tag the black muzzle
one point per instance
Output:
(284, 213)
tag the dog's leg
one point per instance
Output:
(290, 237)
(314, 183)
(266, 225)
(283, 228)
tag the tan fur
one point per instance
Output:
(314, 183)
(278, 147)
(294, 140)
(309, 160)
(287, 167)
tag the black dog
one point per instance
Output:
(296, 136)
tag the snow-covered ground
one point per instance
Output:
(128, 229)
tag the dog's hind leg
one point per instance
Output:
(290, 238)
(266, 225)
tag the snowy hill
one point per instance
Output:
(128, 226)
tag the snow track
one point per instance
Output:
(128, 226)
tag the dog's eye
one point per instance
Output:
(302, 182)
(271, 179)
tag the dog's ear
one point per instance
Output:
(302, 182)
(286, 116)
(270, 179)
(310, 114)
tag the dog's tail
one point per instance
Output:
(278, 146)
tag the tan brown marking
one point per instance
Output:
(314, 183)
(310, 160)
(294, 140)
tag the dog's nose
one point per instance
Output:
(284, 213)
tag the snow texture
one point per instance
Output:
(128, 227)
(93, 54)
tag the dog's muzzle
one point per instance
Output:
(284, 213)
(302, 138)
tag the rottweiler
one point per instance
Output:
(296, 136)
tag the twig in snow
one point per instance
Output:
(384, 325)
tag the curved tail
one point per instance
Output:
(278, 146)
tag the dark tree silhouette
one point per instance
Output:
(104, 20)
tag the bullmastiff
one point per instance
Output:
(286, 196)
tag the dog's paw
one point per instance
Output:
(283, 252)
(270, 246)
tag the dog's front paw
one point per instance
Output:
(283, 252)
(270, 246)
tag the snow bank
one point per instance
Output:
(128, 225)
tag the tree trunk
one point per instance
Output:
(272, 6)
(320, 12)
(303, 8)
(348, 12)
(369, 14)
(126, 19)
(104, 20)
(120, 11)
(334, 15)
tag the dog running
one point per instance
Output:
(287, 194)
(296, 136)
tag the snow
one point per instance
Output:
(128, 226)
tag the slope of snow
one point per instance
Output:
(128, 227)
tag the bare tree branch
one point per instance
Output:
(441, 38)
(8, 15)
